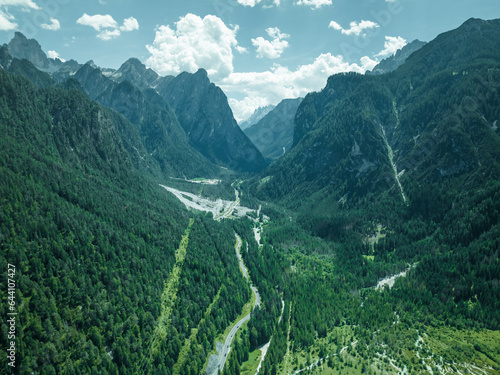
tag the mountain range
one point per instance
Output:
(256, 116)
(133, 90)
(399, 58)
(366, 134)
(273, 133)
(369, 218)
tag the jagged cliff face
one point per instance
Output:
(156, 122)
(432, 119)
(5, 58)
(200, 107)
(258, 115)
(22, 48)
(93, 81)
(392, 63)
(136, 72)
(273, 134)
(207, 119)
(23, 67)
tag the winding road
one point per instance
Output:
(227, 344)
(222, 209)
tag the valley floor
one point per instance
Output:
(342, 351)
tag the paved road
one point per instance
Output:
(227, 344)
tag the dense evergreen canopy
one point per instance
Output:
(114, 275)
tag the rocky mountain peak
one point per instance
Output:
(393, 62)
(5, 57)
(134, 61)
(201, 73)
(22, 48)
(204, 114)
(258, 114)
(92, 64)
(135, 71)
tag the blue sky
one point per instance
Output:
(258, 51)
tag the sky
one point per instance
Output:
(258, 51)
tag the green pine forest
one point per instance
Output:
(115, 276)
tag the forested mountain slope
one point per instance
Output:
(395, 174)
(273, 134)
(22, 48)
(395, 61)
(207, 119)
(433, 118)
(200, 109)
(392, 179)
(93, 241)
(159, 129)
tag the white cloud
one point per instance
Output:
(53, 25)
(97, 21)
(130, 24)
(54, 55)
(354, 27)
(106, 25)
(249, 3)
(109, 34)
(7, 20)
(194, 43)
(367, 63)
(252, 3)
(335, 25)
(241, 49)
(243, 109)
(270, 87)
(274, 48)
(28, 4)
(315, 4)
(391, 45)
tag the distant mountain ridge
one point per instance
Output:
(395, 61)
(273, 134)
(256, 116)
(214, 133)
(136, 72)
(22, 48)
(204, 113)
(370, 134)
